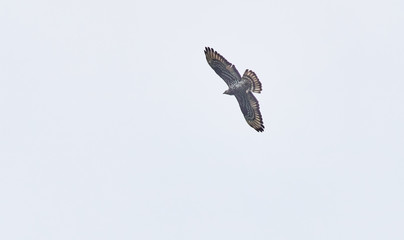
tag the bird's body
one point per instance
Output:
(241, 87)
(238, 87)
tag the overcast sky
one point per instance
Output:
(113, 125)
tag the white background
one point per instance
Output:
(113, 125)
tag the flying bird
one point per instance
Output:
(241, 87)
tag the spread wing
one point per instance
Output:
(222, 67)
(251, 110)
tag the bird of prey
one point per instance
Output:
(241, 87)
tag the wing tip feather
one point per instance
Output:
(257, 122)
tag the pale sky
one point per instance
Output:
(113, 125)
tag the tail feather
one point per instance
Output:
(255, 82)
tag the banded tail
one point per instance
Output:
(255, 82)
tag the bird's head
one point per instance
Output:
(228, 92)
